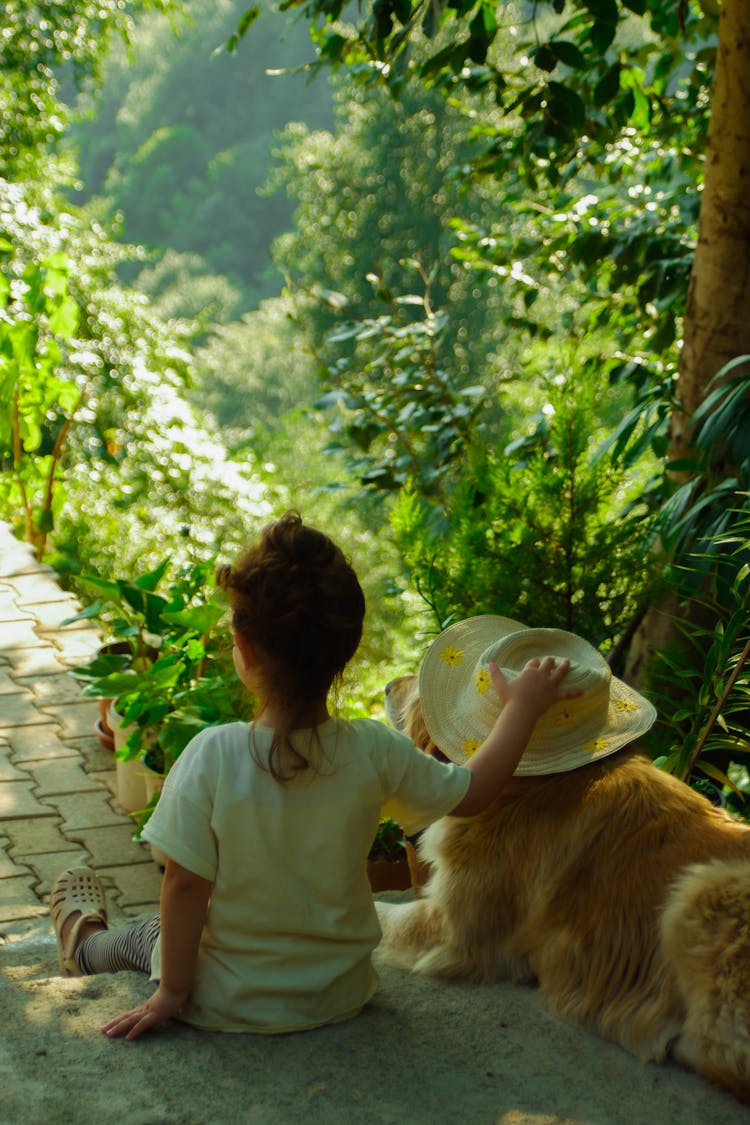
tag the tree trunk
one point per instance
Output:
(717, 318)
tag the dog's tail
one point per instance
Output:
(706, 938)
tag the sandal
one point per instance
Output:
(76, 891)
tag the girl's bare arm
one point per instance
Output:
(183, 908)
(524, 700)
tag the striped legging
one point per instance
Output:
(116, 951)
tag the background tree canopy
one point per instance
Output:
(179, 143)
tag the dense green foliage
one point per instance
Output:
(561, 538)
(42, 41)
(179, 144)
(99, 449)
(486, 259)
(586, 232)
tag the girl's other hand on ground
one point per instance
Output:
(162, 1007)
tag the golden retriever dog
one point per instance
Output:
(618, 890)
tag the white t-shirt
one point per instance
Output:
(291, 924)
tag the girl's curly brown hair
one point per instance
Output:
(295, 596)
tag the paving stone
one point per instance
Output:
(18, 899)
(34, 928)
(33, 743)
(35, 836)
(10, 867)
(8, 683)
(11, 612)
(75, 646)
(56, 780)
(9, 607)
(18, 710)
(14, 914)
(17, 557)
(19, 633)
(48, 690)
(75, 719)
(109, 778)
(43, 661)
(9, 772)
(84, 810)
(47, 867)
(51, 615)
(60, 775)
(139, 885)
(17, 801)
(30, 589)
(96, 758)
(113, 846)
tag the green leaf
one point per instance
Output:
(565, 107)
(452, 58)
(152, 579)
(58, 261)
(201, 618)
(602, 34)
(44, 520)
(544, 58)
(715, 773)
(86, 614)
(247, 19)
(567, 53)
(431, 20)
(489, 17)
(23, 339)
(604, 11)
(608, 86)
(63, 322)
(641, 116)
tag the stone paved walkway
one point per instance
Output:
(57, 785)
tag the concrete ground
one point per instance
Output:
(422, 1053)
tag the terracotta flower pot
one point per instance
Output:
(388, 875)
(105, 734)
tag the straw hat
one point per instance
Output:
(460, 704)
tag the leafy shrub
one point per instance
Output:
(538, 531)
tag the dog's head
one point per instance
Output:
(404, 710)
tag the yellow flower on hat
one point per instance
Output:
(563, 718)
(625, 705)
(597, 744)
(452, 655)
(470, 746)
(483, 680)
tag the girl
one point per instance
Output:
(266, 919)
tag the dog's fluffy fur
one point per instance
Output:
(620, 891)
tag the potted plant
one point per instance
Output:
(166, 666)
(387, 865)
(128, 612)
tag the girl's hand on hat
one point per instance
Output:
(524, 699)
(536, 688)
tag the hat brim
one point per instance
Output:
(557, 745)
